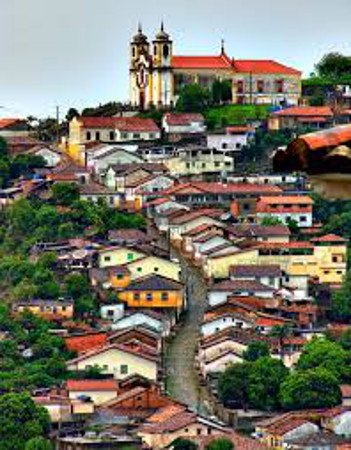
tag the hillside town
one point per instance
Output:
(175, 274)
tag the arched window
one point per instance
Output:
(165, 51)
(133, 51)
(155, 50)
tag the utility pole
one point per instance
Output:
(57, 124)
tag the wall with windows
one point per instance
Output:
(153, 299)
(118, 256)
(153, 265)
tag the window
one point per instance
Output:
(107, 258)
(303, 219)
(165, 51)
(120, 276)
(326, 272)
(260, 86)
(124, 135)
(139, 269)
(164, 296)
(335, 259)
(124, 369)
(88, 135)
(217, 164)
(136, 135)
(130, 256)
(155, 269)
(105, 367)
(240, 87)
(238, 145)
(64, 308)
(149, 296)
(279, 86)
(136, 296)
(271, 281)
(111, 200)
(97, 135)
(155, 50)
(198, 431)
(224, 145)
(112, 136)
(110, 312)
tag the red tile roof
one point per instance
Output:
(221, 188)
(238, 129)
(183, 119)
(284, 427)
(306, 111)
(120, 123)
(287, 199)
(87, 342)
(201, 62)
(331, 137)
(7, 122)
(285, 245)
(92, 385)
(263, 67)
(241, 285)
(329, 238)
(239, 441)
(269, 321)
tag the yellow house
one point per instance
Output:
(119, 361)
(324, 258)
(117, 256)
(218, 265)
(154, 265)
(153, 291)
(47, 309)
(100, 391)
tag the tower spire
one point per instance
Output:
(162, 25)
(140, 28)
(222, 47)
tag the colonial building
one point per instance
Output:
(157, 75)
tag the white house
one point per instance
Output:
(183, 123)
(159, 324)
(232, 140)
(218, 323)
(112, 312)
(268, 275)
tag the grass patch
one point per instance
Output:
(222, 116)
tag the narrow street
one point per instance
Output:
(182, 378)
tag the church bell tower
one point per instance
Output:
(139, 69)
(162, 80)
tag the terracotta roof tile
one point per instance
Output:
(239, 441)
(120, 123)
(183, 119)
(261, 66)
(329, 238)
(7, 122)
(201, 62)
(86, 342)
(154, 283)
(241, 285)
(92, 385)
(251, 270)
(306, 111)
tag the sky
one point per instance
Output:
(75, 52)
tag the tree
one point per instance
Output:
(22, 217)
(71, 113)
(220, 444)
(38, 443)
(271, 221)
(183, 444)
(334, 66)
(323, 353)
(256, 350)
(192, 98)
(20, 420)
(221, 91)
(233, 385)
(65, 193)
(313, 388)
(265, 377)
(3, 147)
(77, 285)
(341, 301)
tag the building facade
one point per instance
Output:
(157, 75)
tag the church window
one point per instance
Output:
(155, 50)
(97, 135)
(88, 135)
(165, 51)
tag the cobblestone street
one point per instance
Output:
(182, 378)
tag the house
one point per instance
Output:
(260, 233)
(118, 360)
(119, 176)
(47, 309)
(322, 440)
(138, 333)
(158, 435)
(151, 264)
(117, 256)
(269, 275)
(128, 237)
(10, 195)
(218, 322)
(183, 221)
(232, 139)
(337, 420)
(99, 157)
(330, 252)
(81, 343)
(83, 130)
(99, 391)
(156, 322)
(239, 441)
(210, 193)
(96, 192)
(96, 440)
(14, 127)
(153, 291)
(294, 117)
(219, 292)
(219, 363)
(297, 208)
(198, 161)
(276, 432)
(179, 125)
(50, 154)
(112, 312)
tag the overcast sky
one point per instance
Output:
(75, 52)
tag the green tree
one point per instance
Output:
(22, 217)
(65, 193)
(334, 66)
(256, 350)
(192, 98)
(341, 301)
(313, 388)
(183, 444)
(265, 377)
(38, 443)
(233, 385)
(325, 354)
(20, 420)
(3, 147)
(221, 92)
(71, 113)
(220, 444)
(77, 285)
(271, 221)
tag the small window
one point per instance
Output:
(111, 200)
(120, 276)
(335, 259)
(139, 269)
(107, 258)
(156, 269)
(165, 51)
(112, 135)
(130, 256)
(88, 136)
(110, 312)
(136, 296)
(149, 296)
(303, 219)
(164, 296)
(124, 369)
(224, 145)
(97, 135)
(136, 135)
(326, 272)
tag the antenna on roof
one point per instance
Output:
(162, 25)
(140, 28)
(222, 47)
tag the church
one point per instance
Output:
(157, 75)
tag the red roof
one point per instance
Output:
(263, 66)
(239, 129)
(331, 137)
(329, 238)
(287, 199)
(287, 245)
(221, 188)
(269, 322)
(6, 122)
(87, 342)
(306, 111)
(91, 385)
(201, 62)
(121, 123)
(183, 119)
